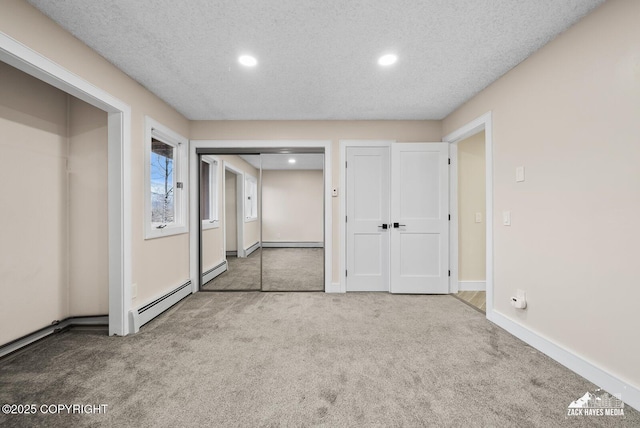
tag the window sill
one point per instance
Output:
(152, 232)
(206, 224)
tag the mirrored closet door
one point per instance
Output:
(262, 221)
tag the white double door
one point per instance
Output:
(398, 218)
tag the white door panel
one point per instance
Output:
(367, 178)
(420, 210)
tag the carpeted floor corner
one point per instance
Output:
(300, 359)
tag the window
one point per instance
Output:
(209, 192)
(251, 198)
(165, 181)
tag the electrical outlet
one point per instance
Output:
(519, 174)
(478, 217)
(134, 291)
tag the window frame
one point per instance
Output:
(254, 192)
(214, 193)
(180, 225)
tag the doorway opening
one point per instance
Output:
(477, 131)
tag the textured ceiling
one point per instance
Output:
(317, 59)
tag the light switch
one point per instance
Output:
(519, 173)
(506, 218)
(478, 217)
(334, 192)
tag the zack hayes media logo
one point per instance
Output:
(598, 403)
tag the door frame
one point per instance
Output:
(119, 214)
(342, 287)
(482, 123)
(194, 145)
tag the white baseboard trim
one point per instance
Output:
(251, 249)
(291, 244)
(472, 285)
(213, 272)
(334, 288)
(17, 344)
(605, 380)
(145, 313)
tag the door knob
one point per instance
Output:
(397, 225)
(384, 226)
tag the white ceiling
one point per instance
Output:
(317, 59)
(272, 161)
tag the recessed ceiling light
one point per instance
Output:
(292, 160)
(387, 59)
(247, 60)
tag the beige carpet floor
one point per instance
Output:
(251, 359)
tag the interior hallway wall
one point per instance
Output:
(293, 206)
(400, 130)
(471, 200)
(569, 115)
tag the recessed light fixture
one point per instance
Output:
(388, 59)
(292, 160)
(247, 60)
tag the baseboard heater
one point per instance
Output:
(213, 272)
(251, 249)
(142, 315)
(291, 244)
(55, 327)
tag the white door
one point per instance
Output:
(420, 217)
(367, 178)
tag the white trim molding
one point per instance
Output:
(291, 244)
(605, 380)
(472, 285)
(27, 60)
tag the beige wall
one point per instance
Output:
(471, 200)
(400, 130)
(53, 251)
(292, 206)
(88, 206)
(158, 264)
(570, 115)
(33, 248)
